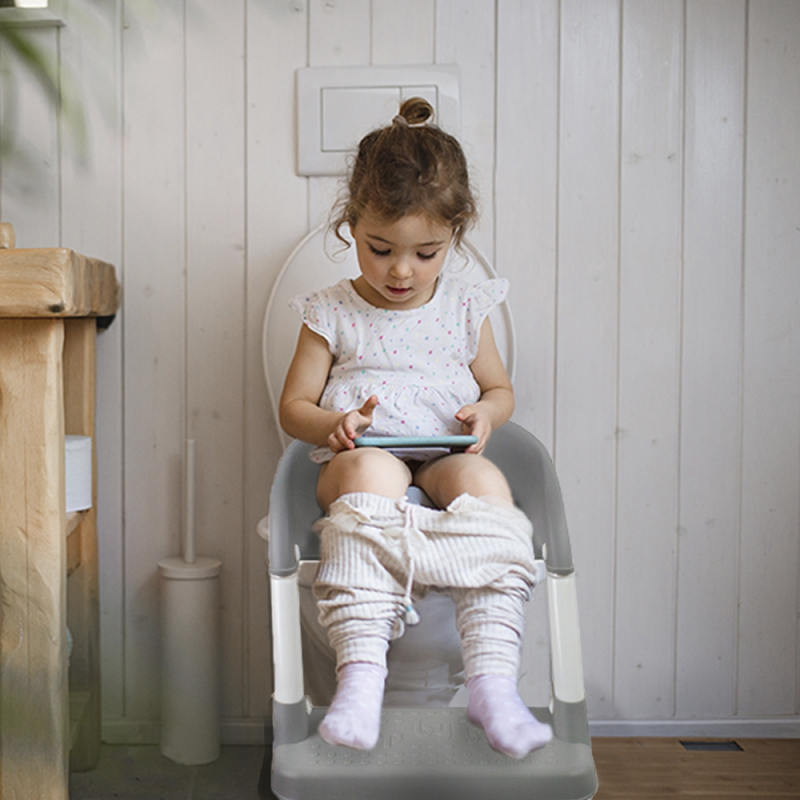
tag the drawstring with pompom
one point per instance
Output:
(410, 614)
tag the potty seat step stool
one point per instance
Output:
(426, 749)
(430, 753)
(424, 752)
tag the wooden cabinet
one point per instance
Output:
(50, 300)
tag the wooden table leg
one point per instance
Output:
(83, 603)
(33, 659)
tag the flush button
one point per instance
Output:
(338, 105)
(345, 112)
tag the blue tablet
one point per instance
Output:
(445, 442)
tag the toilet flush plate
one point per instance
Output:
(338, 105)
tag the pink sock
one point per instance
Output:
(496, 706)
(354, 716)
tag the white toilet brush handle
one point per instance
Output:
(188, 531)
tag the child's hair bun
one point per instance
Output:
(415, 111)
(409, 166)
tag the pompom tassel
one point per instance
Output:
(412, 616)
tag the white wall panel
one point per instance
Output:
(768, 668)
(339, 34)
(649, 346)
(403, 33)
(30, 179)
(91, 212)
(154, 257)
(215, 306)
(465, 35)
(710, 467)
(525, 192)
(277, 218)
(587, 316)
(526, 197)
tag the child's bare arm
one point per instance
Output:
(300, 414)
(497, 395)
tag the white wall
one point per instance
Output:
(640, 183)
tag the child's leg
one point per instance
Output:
(446, 478)
(360, 592)
(495, 705)
(365, 469)
(491, 624)
(359, 627)
(491, 619)
(354, 716)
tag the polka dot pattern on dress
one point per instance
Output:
(415, 360)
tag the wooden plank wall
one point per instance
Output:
(639, 176)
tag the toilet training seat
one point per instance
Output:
(422, 751)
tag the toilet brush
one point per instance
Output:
(191, 712)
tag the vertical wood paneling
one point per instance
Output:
(339, 34)
(771, 423)
(277, 209)
(465, 35)
(29, 179)
(526, 195)
(711, 361)
(586, 365)
(649, 332)
(91, 169)
(91, 215)
(525, 192)
(154, 334)
(215, 305)
(402, 33)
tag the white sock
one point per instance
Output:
(496, 706)
(354, 716)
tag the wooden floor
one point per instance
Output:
(661, 769)
(645, 769)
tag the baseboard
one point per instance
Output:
(244, 731)
(780, 728)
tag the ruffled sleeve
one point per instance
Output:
(480, 300)
(315, 312)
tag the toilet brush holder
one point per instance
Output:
(191, 703)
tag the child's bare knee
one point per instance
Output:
(365, 469)
(464, 473)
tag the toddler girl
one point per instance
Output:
(405, 349)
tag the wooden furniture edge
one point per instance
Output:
(56, 282)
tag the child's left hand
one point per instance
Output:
(475, 421)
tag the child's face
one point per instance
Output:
(400, 261)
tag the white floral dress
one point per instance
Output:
(417, 361)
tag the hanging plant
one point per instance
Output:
(21, 52)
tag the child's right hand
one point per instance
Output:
(351, 426)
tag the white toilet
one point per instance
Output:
(425, 666)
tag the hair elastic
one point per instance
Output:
(401, 120)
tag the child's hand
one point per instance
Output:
(351, 425)
(475, 421)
